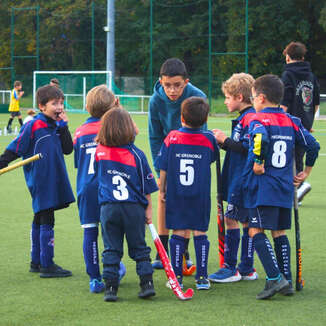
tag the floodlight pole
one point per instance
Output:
(110, 63)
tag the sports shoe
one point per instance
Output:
(252, 276)
(189, 263)
(272, 287)
(110, 294)
(288, 291)
(34, 268)
(146, 290)
(303, 190)
(225, 275)
(96, 286)
(54, 271)
(203, 284)
(157, 264)
(122, 271)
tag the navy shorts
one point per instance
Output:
(270, 218)
(15, 114)
(237, 213)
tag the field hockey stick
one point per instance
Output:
(168, 267)
(299, 281)
(220, 211)
(21, 163)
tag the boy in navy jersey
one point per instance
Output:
(268, 180)
(170, 91)
(98, 101)
(237, 91)
(125, 186)
(184, 162)
(47, 178)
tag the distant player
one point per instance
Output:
(125, 186)
(14, 109)
(301, 97)
(268, 180)
(30, 115)
(170, 90)
(237, 91)
(184, 162)
(47, 178)
(98, 101)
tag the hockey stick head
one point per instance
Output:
(299, 285)
(187, 271)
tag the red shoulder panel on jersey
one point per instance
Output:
(38, 124)
(116, 154)
(245, 121)
(183, 138)
(275, 119)
(91, 128)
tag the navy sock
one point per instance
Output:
(232, 240)
(283, 255)
(47, 245)
(35, 243)
(266, 255)
(186, 248)
(90, 250)
(177, 248)
(165, 241)
(202, 249)
(247, 253)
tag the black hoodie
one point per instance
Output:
(301, 91)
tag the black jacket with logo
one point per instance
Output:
(301, 91)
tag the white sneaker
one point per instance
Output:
(303, 190)
(250, 277)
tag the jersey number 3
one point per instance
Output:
(121, 192)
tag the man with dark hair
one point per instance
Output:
(301, 97)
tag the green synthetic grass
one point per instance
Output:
(28, 300)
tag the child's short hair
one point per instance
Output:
(47, 93)
(194, 111)
(295, 50)
(31, 112)
(99, 100)
(55, 81)
(117, 128)
(271, 86)
(173, 67)
(237, 84)
(17, 83)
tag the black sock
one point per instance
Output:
(20, 121)
(165, 241)
(9, 123)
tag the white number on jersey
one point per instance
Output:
(91, 151)
(279, 154)
(122, 192)
(187, 172)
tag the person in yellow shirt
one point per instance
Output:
(15, 96)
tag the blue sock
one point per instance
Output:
(47, 245)
(266, 255)
(232, 240)
(177, 248)
(35, 243)
(247, 253)
(202, 249)
(90, 250)
(283, 255)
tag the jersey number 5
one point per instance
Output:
(187, 172)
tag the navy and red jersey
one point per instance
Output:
(124, 175)
(87, 181)
(47, 178)
(273, 135)
(186, 156)
(235, 158)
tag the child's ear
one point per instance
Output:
(182, 119)
(41, 107)
(240, 97)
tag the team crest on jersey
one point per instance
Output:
(236, 136)
(150, 176)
